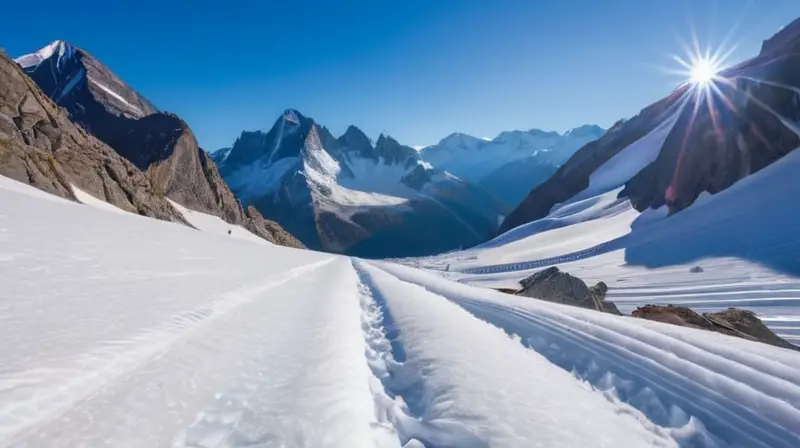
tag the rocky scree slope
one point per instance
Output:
(747, 119)
(159, 144)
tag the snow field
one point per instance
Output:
(470, 385)
(703, 389)
(215, 225)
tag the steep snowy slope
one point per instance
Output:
(700, 138)
(510, 165)
(125, 331)
(744, 239)
(346, 195)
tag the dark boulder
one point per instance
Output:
(733, 322)
(553, 285)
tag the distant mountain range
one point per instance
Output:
(346, 194)
(510, 165)
(340, 194)
(384, 199)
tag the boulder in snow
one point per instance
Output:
(555, 286)
(733, 322)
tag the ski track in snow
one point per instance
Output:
(455, 402)
(90, 372)
(120, 330)
(707, 393)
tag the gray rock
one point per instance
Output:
(696, 270)
(560, 287)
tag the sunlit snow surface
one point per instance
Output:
(118, 330)
(745, 240)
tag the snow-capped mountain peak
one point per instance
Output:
(64, 50)
(75, 80)
(587, 130)
(346, 194)
(220, 155)
(458, 140)
(292, 116)
(392, 152)
(510, 164)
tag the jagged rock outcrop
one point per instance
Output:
(553, 285)
(159, 144)
(733, 322)
(41, 146)
(746, 119)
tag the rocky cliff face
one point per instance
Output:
(41, 146)
(746, 119)
(159, 144)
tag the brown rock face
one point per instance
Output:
(743, 123)
(159, 144)
(269, 230)
(733, 322)
(40, 146)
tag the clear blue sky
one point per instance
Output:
(417, 69)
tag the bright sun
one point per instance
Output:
(702, 72)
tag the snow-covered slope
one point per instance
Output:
(347, 195)
(200, 221)
(123, 331)
(214, 225)
(744, 239)
(701, 138)
(512, 163)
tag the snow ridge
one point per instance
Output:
(63, 49)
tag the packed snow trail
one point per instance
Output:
(121, 330)
(709, 389)
(459, 383)
(285, 367)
